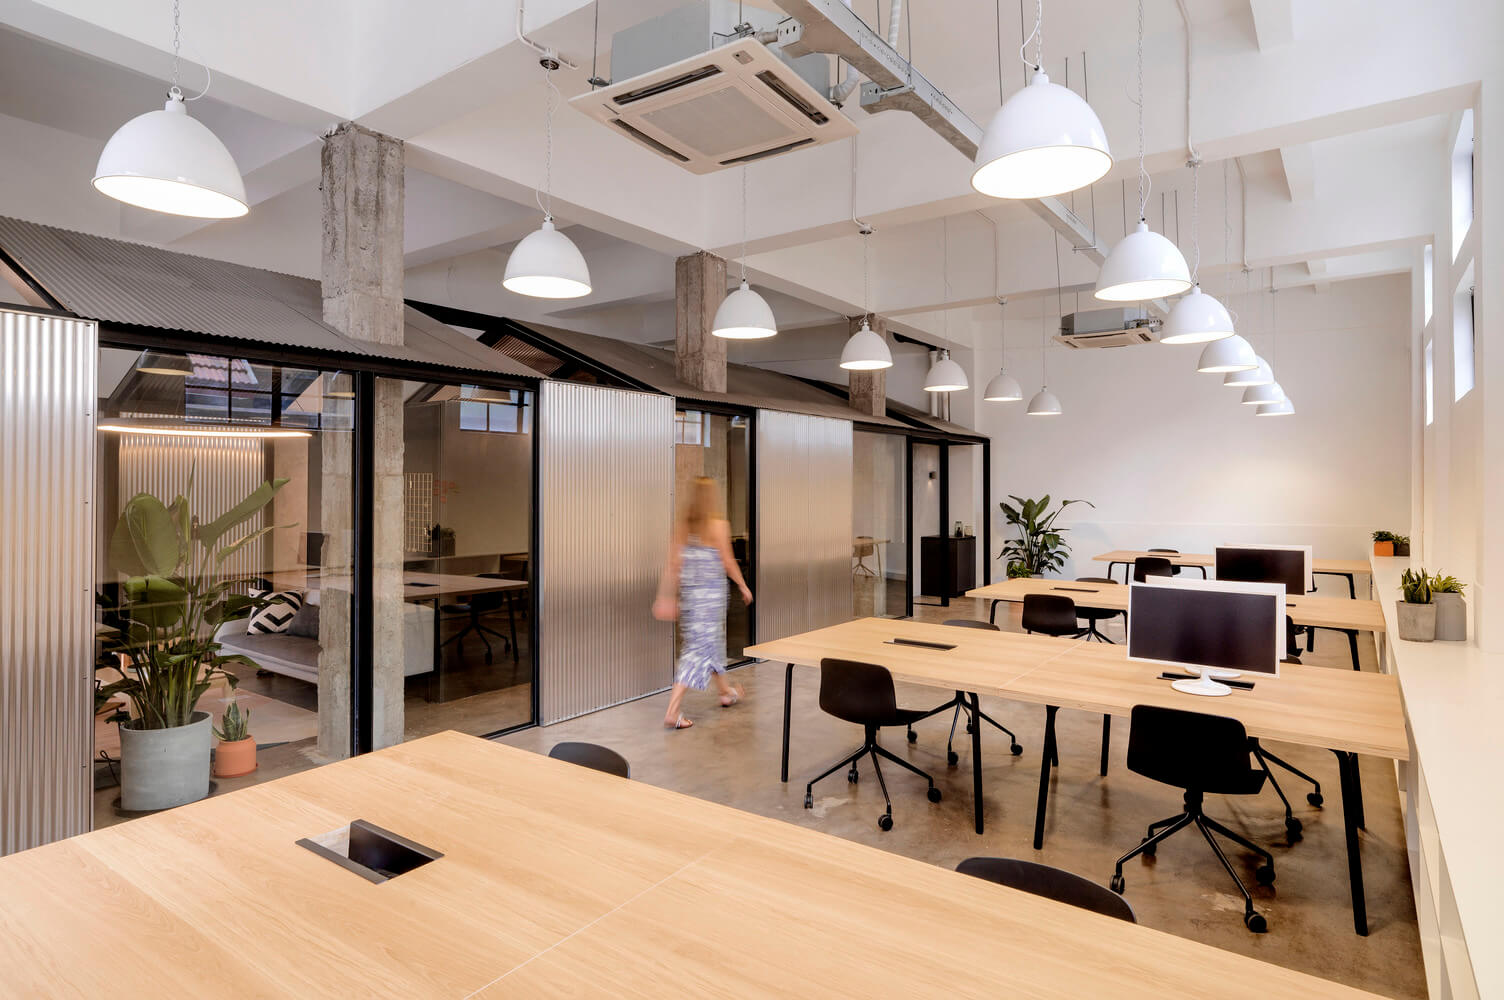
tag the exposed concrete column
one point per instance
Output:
(868, 391)
(363, 195)
(699, 289)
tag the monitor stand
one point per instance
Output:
(1216, 673)
(1203, 685)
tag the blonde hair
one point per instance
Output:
(702, 506)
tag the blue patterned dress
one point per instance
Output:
(702, 614)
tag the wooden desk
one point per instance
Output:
(1199, 560)
(1336, 613)
(1348, 713)
(555, 881)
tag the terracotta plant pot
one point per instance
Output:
(1383, 548)
(1451, 616)
(1417, 621)
(231, 760)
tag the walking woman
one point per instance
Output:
(699, 561)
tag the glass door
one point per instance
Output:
(879, 569)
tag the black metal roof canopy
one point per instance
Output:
(923, 424)
(652, 368)
(149, 295)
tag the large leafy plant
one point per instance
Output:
(1040, 546)
(173, 598)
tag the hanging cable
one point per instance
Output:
(1037, 37)
(998, 24)
(744, 222)
(1145, 183)
(545, 198)
(1196, 221)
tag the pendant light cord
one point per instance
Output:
(1273, 320)
(1037, 37)
(1226, 232)
(744, 223)
(998, 24)
(545, 197)
(176, 91)
(1195, 222)
(1059, 294)
(1145, 183)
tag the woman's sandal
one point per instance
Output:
(736, 695)
(681, 723)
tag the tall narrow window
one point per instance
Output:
(1462, 182)
(1429, 279)
(1430, 383)
(1462, 337)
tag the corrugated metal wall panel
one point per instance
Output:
(48, 369)
(605, 483)
(804, 518)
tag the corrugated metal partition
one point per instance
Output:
(48, 369)
(804, 518)
(605, 500)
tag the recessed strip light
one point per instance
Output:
(211, 432)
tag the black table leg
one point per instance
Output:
(1046, 756)
(788, 696)
(992, 613)
(1352, 808)
(1106, 739)
(1203, 571)
(1352, 647)
(976, 757)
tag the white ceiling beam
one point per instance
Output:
(1300, 171)
(1273, 22)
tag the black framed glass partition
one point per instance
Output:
(880, 533)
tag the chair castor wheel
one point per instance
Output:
(1293, 827)
(913, 736)
(852, 776)
(1264, 874)
(934, 794)
(1255, 922)
(885, 822)
(809, 801)
(968, 728)
(1314, 798)
(1116, 885)
(1015, 749)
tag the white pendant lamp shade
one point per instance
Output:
(1044, 404)
(167, 161)
(744, 315)
(1230, 354)
(1196, 319)
(1261, 374)
(1043, 141)
(1003, 388)
(1256, 395)
(945, 375)
(1283, 408)
(546, 264)
(1143, 266)
(865, 351)
(156, 363)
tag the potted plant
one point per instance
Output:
(1017, 570)
(1383, 543)
(1451, 608)
(1402, 545)
(236, 753)
(1040, 546)
(171, 601)
(1416, 612)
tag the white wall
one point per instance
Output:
(1171, 458)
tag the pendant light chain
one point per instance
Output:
(1059, 295)
(1037, 37)
(177, 45)
(998, 24)
(1196, 221)
(744, 223)
(1143, 175)
(545, 196)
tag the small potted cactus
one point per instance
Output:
(1383, 543)
(1416, 612)
(1451, 608)
(236, 753)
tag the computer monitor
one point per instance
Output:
(1286, 564)
(1209, 626)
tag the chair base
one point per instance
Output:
(962, 704)
(1293, 825)
(870, 748)
(1161, 829)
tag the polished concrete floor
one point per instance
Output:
(731, 756)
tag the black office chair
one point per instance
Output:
(593, 756)
(477, 606)
(1200, 753)
(1174, 570)
(963, 704)
(1293, 825)
(1147, 566)
(863, 693)
(1051, 883)
(1094, 615)
(1053, 614)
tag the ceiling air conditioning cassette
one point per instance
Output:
(732, 105)
(1107, 328)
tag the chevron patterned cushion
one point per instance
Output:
(277, 615)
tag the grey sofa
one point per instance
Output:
(297, 655)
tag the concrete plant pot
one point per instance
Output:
(231, 760)
(1417, 621)
(163, 768)
(1451, 616)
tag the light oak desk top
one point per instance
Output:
(1340, 567)
(555, 881)
(1303, 609)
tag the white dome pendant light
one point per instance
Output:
(546, 264)
(1144, 265)
(865, 350)
(1256, 395)
(1003, 388)
(744, 315)
(167, 161)
(1230, 354)
(1045, 403)
(1281, 407)
(945, 375)
(1197, 318)
(1259, 374)
(1044, 140)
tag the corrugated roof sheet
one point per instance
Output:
(746, 386)
(114, 281)
(947, 427)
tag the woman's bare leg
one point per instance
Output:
(675, 704)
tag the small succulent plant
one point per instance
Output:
(1416, 587)
(1385, 536)
(1446, 585)
(234, 725)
